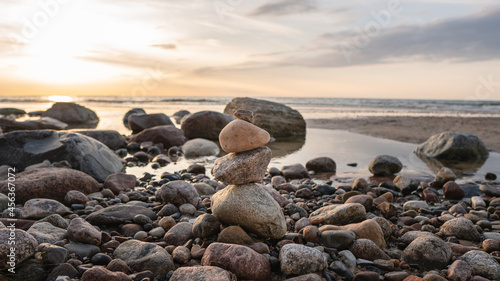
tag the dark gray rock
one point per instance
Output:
(24, 148)
(385, 165)
(205, 124)
(142, 256)
(141, 121)
(110, 138)
(453, 146)
(71, 113)
(118, 214)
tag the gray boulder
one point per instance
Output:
(453, 146)
(71, 113)
(141, 121)
(277, 119)
(22, 149)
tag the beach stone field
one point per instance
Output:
(74, 213)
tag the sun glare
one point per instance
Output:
(60, 99)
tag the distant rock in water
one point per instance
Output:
(24, 148)
(72, 113)
(277, 119)
(45, 123)
(130, 112)
(139, 121)
(205, 124)
(179, 115)
(11, 111)
(453, 147)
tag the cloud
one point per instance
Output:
(286, 7)
(472, 38)
(165, 46)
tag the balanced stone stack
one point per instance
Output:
(244, 202)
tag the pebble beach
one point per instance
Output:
(244, 193)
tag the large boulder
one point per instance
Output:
(205, 124)
(168, 135)
(277, 119)
(140, 121)
(250, 207)
(110, 138)
(142, 256)
(51, 183)
(453, 146)
(25, 148)
(71, 113)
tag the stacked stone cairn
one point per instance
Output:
(244, 202)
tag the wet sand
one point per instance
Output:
(416, 129)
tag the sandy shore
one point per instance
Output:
(416, 129)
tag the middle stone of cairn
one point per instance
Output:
(244, 202)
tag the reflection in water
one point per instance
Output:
(460, 168)
(285, 146)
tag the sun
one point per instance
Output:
(60, 99)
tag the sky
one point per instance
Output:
(418, 49)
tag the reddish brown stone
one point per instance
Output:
(50, 183)
(430, 196)
(120, 182)
(388, 210)
(453, 191)
(241, 260)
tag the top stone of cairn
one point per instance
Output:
(241, 135)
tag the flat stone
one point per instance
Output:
(118, 214)
(202, 273)
(339, 214)
(45, 232)
(41, 208)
